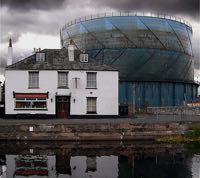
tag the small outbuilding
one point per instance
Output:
(60, 83)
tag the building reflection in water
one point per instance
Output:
(101, 166)
(30, 165)
(195, 166)
(2, 166)
(86, 164)
(63, 165)
(57, 166)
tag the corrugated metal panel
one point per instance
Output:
(143, 94)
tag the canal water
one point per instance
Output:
(98, 160)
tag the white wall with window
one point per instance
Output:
(81, 86)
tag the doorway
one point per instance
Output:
(63, 107)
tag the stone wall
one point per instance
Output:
(90, 131)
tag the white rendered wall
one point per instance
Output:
(106, 92)
(107, 166)
(0, 92)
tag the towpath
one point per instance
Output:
(138, 119)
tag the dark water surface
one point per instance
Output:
(98, 160)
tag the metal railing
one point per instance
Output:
(115, 14)
(174, 110)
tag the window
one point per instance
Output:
(40, 57)
(83, 57)
(62, 79)
(33, 79)
(91, 80)
(30, 104)
(30, 101)
(91, 105)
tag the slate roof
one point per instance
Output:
(57, 59)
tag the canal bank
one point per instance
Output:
(147, 128)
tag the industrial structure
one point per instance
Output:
(152, 53)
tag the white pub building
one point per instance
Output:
(60, 83)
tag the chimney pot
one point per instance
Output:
(71, 51)
(10, 52)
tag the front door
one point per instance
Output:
(63, 106)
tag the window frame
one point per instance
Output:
(40, 57)
(67, 83)
(31, 102)
(87, 110)
(30, 85)
(83, 57)
(91, 87)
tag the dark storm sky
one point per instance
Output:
(45, 17)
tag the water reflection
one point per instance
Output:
(195, 165)
(97, 160)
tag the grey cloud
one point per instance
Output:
(47, 16)
(26, 5)
(21, 17)
(17, 56)
(196, 56)
(187, 7)
(196, 62)
(5, 37)
(33, 21)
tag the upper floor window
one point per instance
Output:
(33, 79)
(91, 80)
(40, 57)
(62, 79)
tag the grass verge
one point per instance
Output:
(191, 136)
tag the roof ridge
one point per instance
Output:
(57, 59)
(20, 61)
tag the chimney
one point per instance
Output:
(10, 53)
(71, 51)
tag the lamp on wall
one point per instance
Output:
(74, 100)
